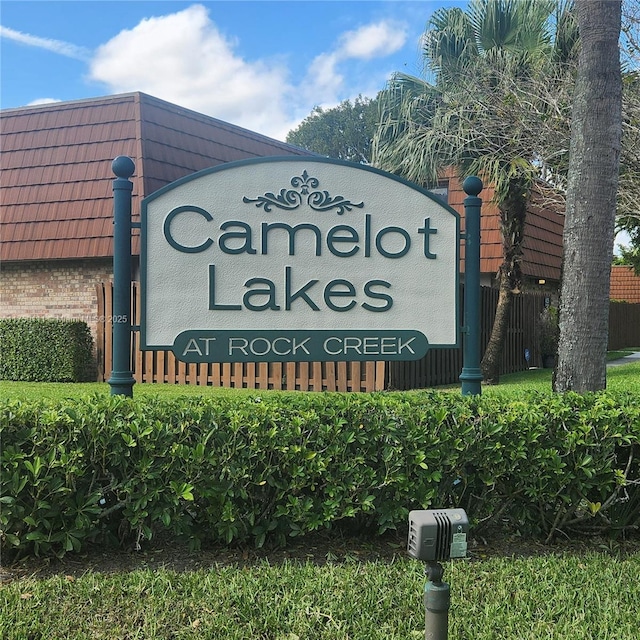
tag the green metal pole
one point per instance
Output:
(471, 375)
(121, 380)
(437, 600)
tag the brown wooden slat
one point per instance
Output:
(237, 375)
(216, 374)
(379, 377)
(158, 372)
(290, 372)
(275, 381)
(262, 376)
(303, 377)
(316, 381)
(225, 377)
(342, 376)
(148, 366)
(330, 380)
(250, 378)
(369, 372)
(182, 372)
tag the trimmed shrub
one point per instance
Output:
(248, 468)
(45, 350)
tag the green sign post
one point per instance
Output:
(121, 381)
(471, 375)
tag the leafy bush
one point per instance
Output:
(45, 350)
(245, 468)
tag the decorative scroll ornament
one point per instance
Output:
(305, 188)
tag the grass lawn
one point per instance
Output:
(510, 589)
(561, 596)
(614, 355)
(624, 377)
(621, 378)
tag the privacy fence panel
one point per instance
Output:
(624, 325)
(443, 366)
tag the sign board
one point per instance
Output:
(297, 259)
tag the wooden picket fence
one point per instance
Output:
(164, 368)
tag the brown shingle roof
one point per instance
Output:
(625, 284)
(56, 188)
(542, 249)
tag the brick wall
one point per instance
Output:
(57, 289)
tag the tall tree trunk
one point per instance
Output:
(591, 200)
(513, 211)
(490, 365)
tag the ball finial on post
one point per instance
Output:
(123, 167)
(472, 185)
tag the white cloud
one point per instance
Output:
(324, 84)
(183, 58)
(324, 81)
(57, 46)
(39, 101)
(373, 41)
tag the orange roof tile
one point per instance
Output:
(542, 248)
(56, 189)
(625, 284)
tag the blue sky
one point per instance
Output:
(261, 64)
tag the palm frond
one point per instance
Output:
(483, 113)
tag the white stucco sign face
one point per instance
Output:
(289, 259)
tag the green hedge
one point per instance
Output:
(45, 350)
(273, 466)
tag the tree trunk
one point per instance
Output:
(591, 200)
(513, 212)
(490, 365)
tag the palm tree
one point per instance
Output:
(596, 134)
(499, 90)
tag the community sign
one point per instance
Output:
(297, 259)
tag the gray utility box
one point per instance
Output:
(437, 534)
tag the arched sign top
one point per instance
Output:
(308, 160)
(298, 258)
